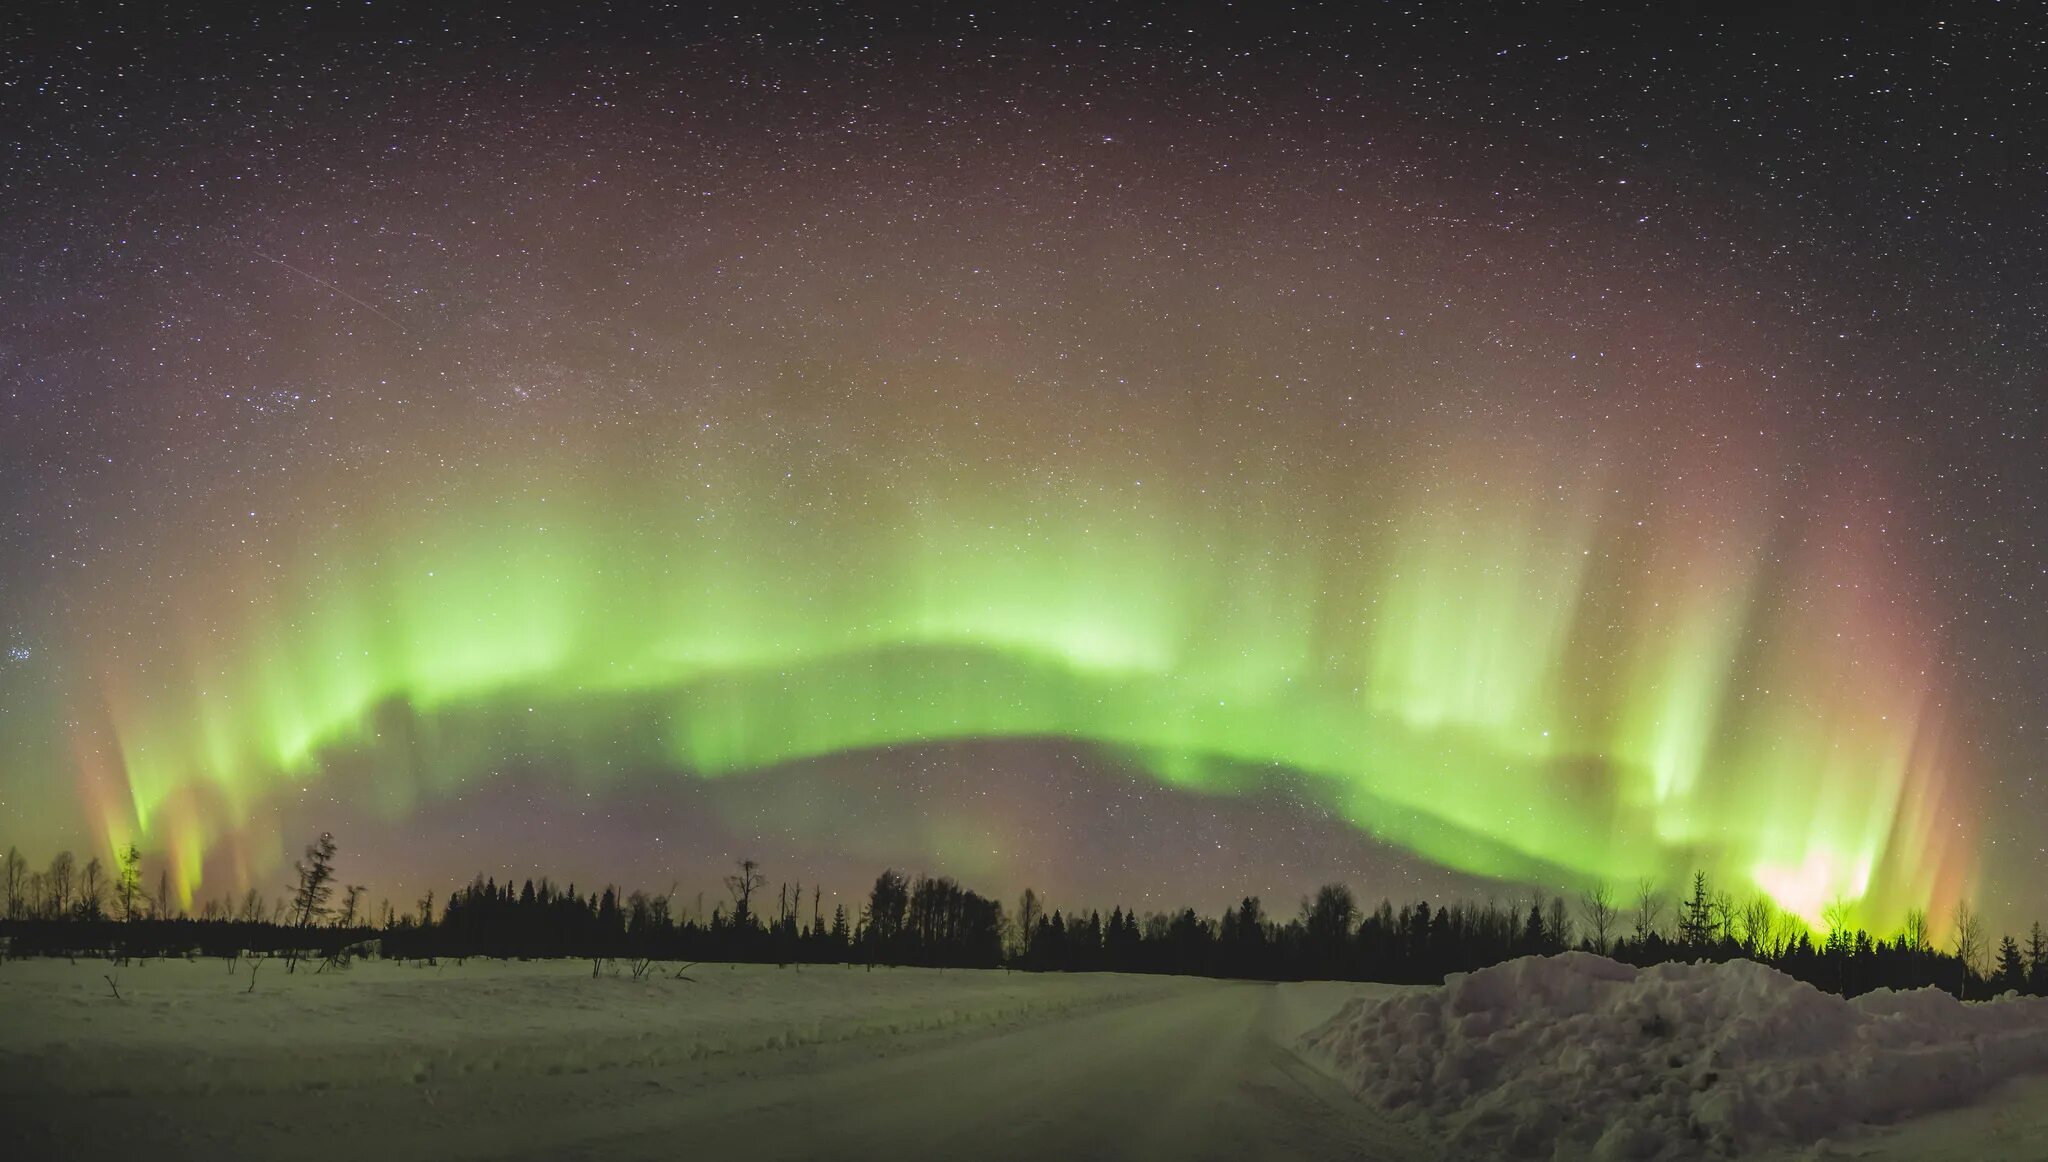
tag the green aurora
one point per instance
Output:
(1516, 672)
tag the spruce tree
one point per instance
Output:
(1696, 925)
(2037, 961)
(2011, 974)
(128, 879)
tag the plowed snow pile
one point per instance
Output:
(1577, 1056)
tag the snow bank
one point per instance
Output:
(1577, 1056)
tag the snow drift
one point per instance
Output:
(1577, 1056)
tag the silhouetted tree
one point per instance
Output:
(1328, 920)
(92, 891)
(1695, 917)
(1242, 939)
(1835, 917)
(128, 879)
(57, 884)
(2037, 960)
(1759, 925)
(1969, 945)
(1557, 925)
(1028, 911)
(1597, 902)
(1725, 914)
(743, 884)
(1534, 941)
(350, 898)
(315, 885)
(2011, 973)
(14, 873)
(1914, 933)
(1649, 909)
(888, 901)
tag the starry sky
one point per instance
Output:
(1156, 456)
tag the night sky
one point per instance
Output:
(1156, 458)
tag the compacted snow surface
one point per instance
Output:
(1577, 1056)
(488, 1059)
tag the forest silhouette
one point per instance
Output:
(933, 921)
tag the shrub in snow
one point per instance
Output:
(1577, 1056)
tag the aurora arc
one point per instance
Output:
(1539, 674)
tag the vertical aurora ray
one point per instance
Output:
(1690, 608)
(1480, 598)
(1512, 672)
(1854, 729)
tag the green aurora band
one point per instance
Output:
(1524, 672)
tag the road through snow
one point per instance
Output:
(1195, 1075)
(952, 1065)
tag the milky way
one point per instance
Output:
(603, 427)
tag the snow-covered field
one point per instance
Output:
(1565, 1058)
(1577, 1056)
(538, 1060)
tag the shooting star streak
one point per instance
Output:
(316, 279)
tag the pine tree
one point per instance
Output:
(1696, 923)
(2037, 961)
(2011, 975)
(1532, 930)
(128, 879)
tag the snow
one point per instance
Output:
(1577, 1056)
(1572, 1057)
(381, 1021)
(2009, 1125)
(489, 1059)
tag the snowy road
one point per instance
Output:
(1198, 1075)
(1194, 1075)
(982, 1065)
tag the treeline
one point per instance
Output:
(933, 921)
(1332, 937)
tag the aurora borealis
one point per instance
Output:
(615, 622)
(620, 424)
